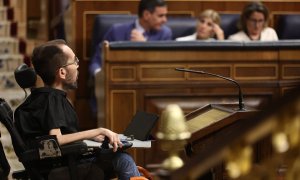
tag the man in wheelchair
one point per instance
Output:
(47, 111)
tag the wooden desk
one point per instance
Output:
(141, 76)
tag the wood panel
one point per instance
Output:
(124, 101)
(256, 71)
(123, 73)
(177, 55)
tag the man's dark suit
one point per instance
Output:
(121, 32)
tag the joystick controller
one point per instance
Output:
(107, 148)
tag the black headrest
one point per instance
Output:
(25, 76)
(229, 24)
(288, 26)
(181, 26)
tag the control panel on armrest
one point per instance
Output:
(48, 146)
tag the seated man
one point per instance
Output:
(152, 15)
(47, 111)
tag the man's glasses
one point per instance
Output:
(76, 62)
(256, 22)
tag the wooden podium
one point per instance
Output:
(204, 122)
(206, 125)
(209, 125)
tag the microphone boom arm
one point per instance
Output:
(241, 103)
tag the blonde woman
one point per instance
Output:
(207, 28)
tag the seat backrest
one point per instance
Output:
(6, 118)
(181, 26)
(102, 23)
(288, 26)
(229, 24)
(4, 165)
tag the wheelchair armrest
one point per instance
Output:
(29, 155)
(74, 148)
(48, 147)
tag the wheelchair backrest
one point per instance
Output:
(6, 118)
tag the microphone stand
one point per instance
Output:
(241, 103)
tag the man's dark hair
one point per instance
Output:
(150, 6)
(249, 9)
(47, 59)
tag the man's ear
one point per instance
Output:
(62, 73)
(146, 14)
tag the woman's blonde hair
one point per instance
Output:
(209, 13)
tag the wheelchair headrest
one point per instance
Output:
(25, 76)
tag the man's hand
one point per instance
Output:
(99, 138)
(113, 137)
(137, 36)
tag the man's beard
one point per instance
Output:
(67, 85)
(70, 86)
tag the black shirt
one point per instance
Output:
(43, 110)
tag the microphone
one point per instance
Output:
(241, 103)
